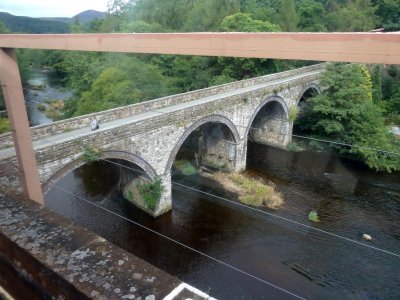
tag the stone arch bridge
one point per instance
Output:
(150, 134)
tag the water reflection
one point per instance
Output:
(350, 199)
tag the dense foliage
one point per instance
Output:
(137, 78)
(345, 112)
(356, 108)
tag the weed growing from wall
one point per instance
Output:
(91, 155)
(150, 192)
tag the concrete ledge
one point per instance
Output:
(57, 259)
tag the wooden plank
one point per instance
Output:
(346, 47)
(15, 104)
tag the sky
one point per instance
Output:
(50, 8)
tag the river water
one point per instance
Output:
(54, 89)
(350, 199)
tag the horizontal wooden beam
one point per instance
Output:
(346, 47)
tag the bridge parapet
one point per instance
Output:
(155, 137)
(43, 131)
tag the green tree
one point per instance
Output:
(125, 80)
(376, 77)
(170, 14)
(141, 26)
(345, 112)
(3, 29)
(264, 10)
(311, 16)
(240, 68)
(242, 22)
(389, 13)
(391, 94)
(357, 15)
(288, 16)
(111, 89)
(207, 15)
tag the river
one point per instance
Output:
(54, 89)
(350, 199)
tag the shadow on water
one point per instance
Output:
(350, 199)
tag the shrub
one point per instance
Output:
(292, 146)
(41, 107)
(215, 162)
(54, 110)
(293, 113)
(313, 216)
(91, 155)
(185, 167)
(252, 191)
(4, 125)
(150, 192)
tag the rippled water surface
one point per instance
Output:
(53, 90)
(350, 199)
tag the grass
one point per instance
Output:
(148, 192)
(4, 125)
(151, 192)
(91, 155)
(215, 162)
(185, 167)
(251, 191)
(54, 109)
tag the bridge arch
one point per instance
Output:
(109, 154)
(308, 92)
(269, 122)
(216, 119)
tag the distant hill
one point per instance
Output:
(57, 19)
(83, 17)
(19, 24)
(89, 15)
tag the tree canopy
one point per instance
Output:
(345, 112)
(355, 108)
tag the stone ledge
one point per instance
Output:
(62, 260)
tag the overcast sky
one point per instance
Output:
(50, 8)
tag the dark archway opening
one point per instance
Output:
(270, 126)
(102, 182)
(302, 108)
(209, 146)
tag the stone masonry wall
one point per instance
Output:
(155, 141)
(43, 131)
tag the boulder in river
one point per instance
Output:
(367, 237)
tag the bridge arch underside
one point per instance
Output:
(126, 162)
(114, 172)
(309, 92)
(211, 142)
(270, 124)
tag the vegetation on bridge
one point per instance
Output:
(91, 155)
(147, 193)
